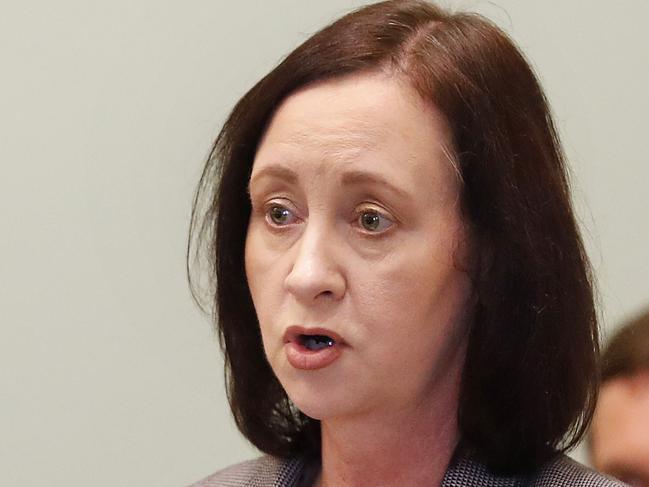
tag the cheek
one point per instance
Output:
(257, 271)
(251, 263)
(414, 306)
(414, 286)
(256, 268)
(264, 269)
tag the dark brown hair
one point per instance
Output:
(628, 351)
(529, 380)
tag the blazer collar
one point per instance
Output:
(463, 471)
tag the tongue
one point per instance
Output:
(317, 342)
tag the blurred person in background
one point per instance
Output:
(619, 439)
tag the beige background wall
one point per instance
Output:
(109, 376)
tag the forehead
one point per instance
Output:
(373, 119)
(357, 111)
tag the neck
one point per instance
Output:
(408, 447)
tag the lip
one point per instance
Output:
(292, 333)
(300, 357)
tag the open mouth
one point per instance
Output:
(312, 348)
(313, 338)
(316, 342)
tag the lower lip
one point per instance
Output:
(301, 357)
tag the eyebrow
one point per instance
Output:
(280, 172)
(360, 177)
(349, 177)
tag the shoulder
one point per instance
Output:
(564, 471)
(260, 472)
(560, 472)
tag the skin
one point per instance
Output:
(620, 429)
(394, 289)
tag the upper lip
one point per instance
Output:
(292, 333)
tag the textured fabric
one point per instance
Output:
(268, 471)
(265, 471)
(562, 472)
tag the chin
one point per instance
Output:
(318, 401)
(321, 394)
(320, 411)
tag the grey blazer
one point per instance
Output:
(269, 471)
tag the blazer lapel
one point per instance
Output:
(466, 472)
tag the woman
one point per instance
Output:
(401, 291)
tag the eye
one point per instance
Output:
(278, 215)
(373, 221)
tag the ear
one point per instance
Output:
(467, 250)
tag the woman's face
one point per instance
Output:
(356, 227)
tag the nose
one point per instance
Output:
(316, 273)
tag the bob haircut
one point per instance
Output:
(529, 382)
